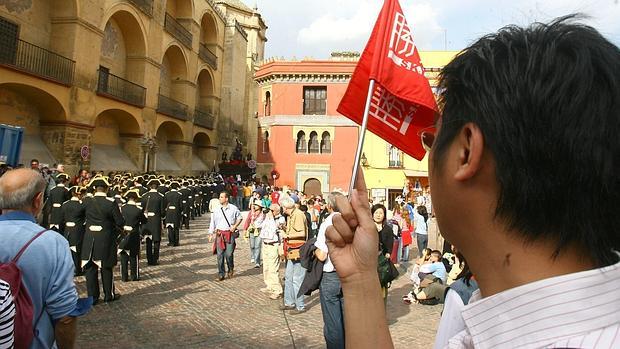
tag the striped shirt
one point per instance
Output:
(579, 310)
(7, 316)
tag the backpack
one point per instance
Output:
(10, 272)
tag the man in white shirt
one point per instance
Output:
(224, 223)
(330, 291)
(524, 167)
(269, 235)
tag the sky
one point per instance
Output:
(315, 28)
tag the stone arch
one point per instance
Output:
(300, 144)
(312, 186)
(180, 8)
(201, 151)
(208, 29)
(326, 143)
(313, 143)
(115, 141)
(42, 116)
(124, 45)
(169, 137)
(173, 75)
(205, 92)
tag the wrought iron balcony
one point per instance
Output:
(170, 107)
(204, 118)
(115, 87)
(395, 164)
(35, 60)
(207, 56)
(177, 30)
(145, 6)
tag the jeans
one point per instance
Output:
(228, 254)
(332, 306)
(294, 277)
(422, 240)
(246, 203)
(255, 246)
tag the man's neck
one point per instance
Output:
(499, 264)
(26, 211)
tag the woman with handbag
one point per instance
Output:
(386, 240)
(252, 232)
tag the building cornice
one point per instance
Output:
(304, 78)
(79, 21)
(305, 120)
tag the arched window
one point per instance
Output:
(313, 143)
(395, 156)
(267, 103)
(301, 142)
(266, 142)
(326, 143)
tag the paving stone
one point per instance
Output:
(177, 304)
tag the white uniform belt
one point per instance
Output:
(52, 226)
(150, 214)
(172, 207)
(70, 224)
(56, 205)
(184, 201)
(95, 228)
(128, 228)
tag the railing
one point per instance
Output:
(172, 108)
(36, 60)
(145, 6)
(177, 30)
(118, 88)
(208, 56)
(204, 119)
(394, 163)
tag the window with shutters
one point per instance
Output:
(9, 36)
(313, 143)
(300, 146)
(315, 100)
(326, 143)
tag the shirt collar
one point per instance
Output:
(74, 198)
(100, 193)
(17, 216)
(545, 311)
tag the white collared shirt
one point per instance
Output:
(579, 310)
(218, 222)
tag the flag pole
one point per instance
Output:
(360, 143)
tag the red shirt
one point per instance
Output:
(234, 190)
(275, 197)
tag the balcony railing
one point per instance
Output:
(145, 6)
(38, 61)
(177, 30)
(396, 164)
(204, 118)
(116, 87)
(207, 56)
(170, 107)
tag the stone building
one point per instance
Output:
(143, 84)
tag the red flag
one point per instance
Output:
(402, 102)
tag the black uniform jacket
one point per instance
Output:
(104, 223)
(174, 204)
(153, 202)
(186, 200)
(134, 218)
(58, 195)
(73, 216)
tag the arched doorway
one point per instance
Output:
(173, 84)
(122, 62)
(115, 142)
(207, 103)
(168, 157)
(312, 186)
(208, 40)
(29, 107)
(200, 152)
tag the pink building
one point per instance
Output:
(301, 136)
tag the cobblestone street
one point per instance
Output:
(177, 304)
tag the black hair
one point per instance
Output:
(546, 99)
(225, 193)
(303, 208)
(375, 207)
(423, 212)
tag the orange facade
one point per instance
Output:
(301, 135)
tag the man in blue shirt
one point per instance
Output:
(46, 265)
(436, 268)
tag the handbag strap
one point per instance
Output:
(226, 218)
(21, 251)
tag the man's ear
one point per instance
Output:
(470, 142)
(37, 203)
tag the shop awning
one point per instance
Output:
(110, 158)
(415, 173)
